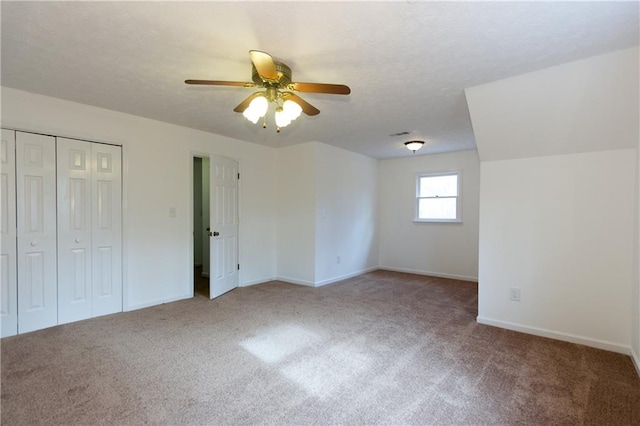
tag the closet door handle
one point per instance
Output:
(34, 243)
(77, 240)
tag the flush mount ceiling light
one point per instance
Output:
(414, 145)
(275, 78)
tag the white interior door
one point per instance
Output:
(224, 226)
(36, 232)
(106, 232)
(89, 230)
(74, 230)
(8, 262)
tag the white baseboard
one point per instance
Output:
(595, 343)
(155, 302)
(324, 282)
(256, 282)
(344, 277)
(429, 273)
(635, 357)
(296, 281)
(375, 268)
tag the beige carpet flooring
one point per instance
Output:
(381, 348)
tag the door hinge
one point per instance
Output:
(238, 176)
(238, 266)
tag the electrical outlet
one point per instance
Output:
(514, 294)
(338, 260)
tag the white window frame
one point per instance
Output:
(458, 218)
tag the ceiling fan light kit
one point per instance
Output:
(414, 145)
(275, 78)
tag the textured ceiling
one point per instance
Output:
(407, 63)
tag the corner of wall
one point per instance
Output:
(345, 214)
(635, 358)
(635, 326)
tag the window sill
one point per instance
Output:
(437, 220)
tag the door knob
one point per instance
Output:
(77, 240)
(214, 234)
(34, 243)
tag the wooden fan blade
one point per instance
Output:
(220, 83)
(245, 104)
(264, 64)
(334, 89)
(307, 108)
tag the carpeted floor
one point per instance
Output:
(381, 348)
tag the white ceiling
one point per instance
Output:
(407, 63)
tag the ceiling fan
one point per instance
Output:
(275, 78)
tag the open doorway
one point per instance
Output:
(215, 225)
(201, 224)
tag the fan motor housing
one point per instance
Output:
(284, 76)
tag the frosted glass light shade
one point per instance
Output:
(284, 115)
(292, 109)
(251, 117)
(414, 145)
(282, 118)
(257, 109)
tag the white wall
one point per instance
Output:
(560, 229)
(440, 249)
(326, 209)
(346, 210)
(581, 106)
(296, 196)
(558, 199)
(158, 167)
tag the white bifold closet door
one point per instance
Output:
(36, 231)
(8, 276)
(89, 230)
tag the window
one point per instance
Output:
(438, 197)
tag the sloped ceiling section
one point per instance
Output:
(407, 63)
(582, 106)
